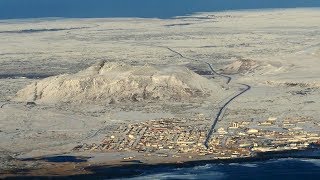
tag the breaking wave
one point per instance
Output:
(283, 168)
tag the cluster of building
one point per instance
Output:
(174, 137)
(162, 135)
(168, 137)
(270, 135)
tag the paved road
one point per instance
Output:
(220, 113)
(2, 104)
(222, 108)
(228, 78)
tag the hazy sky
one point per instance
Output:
(134, 8)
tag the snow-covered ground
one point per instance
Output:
(281, 46)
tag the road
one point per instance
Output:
(220, 113)
(225, 103)
(224, 106)
(228, 78)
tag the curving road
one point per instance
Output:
(224, 106)
(228, 78)
(220, 113)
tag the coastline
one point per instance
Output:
(128, 169)
(278, 112)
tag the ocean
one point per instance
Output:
(291, 165)
(287, 168)
(272, 168)
(283, 169)
(14, 9)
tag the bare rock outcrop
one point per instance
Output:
(249, 66)
(241, 66)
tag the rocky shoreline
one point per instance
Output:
(78, 167)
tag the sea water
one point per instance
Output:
(290, 167)
(13, 9)
(272, 168)
(273, 165)
(287, 168)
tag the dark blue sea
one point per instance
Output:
(13, 9)
(264, 170)
(272, 168)
(283, 169)
(288, 168)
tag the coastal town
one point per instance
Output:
(176, 137)
(207, 92)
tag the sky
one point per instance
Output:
(13, 9)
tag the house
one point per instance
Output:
(222, 131)
(252, 131)
(234, 125)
